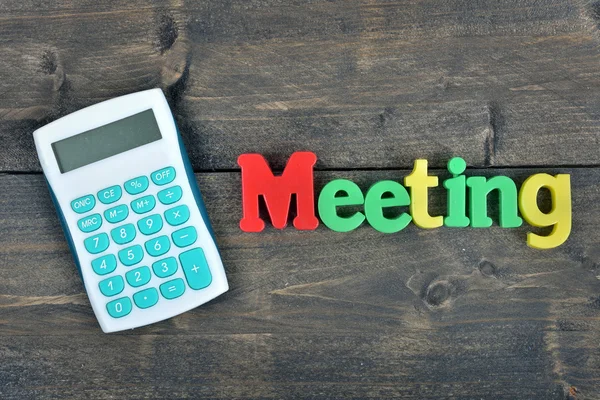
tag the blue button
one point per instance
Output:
(146, 298)
(195, 268)
(158, 246)
(138, 277)
(165, 268)
(143, 204)
(119, 308)
(110, 195)
(170, 195)
(150, 225)
(97, 243)
(172, 289)
(136, 185)
(163, 176)
(116, 214)
(90, 223)
(83, 204)
(112, 286)
(105, 264)
(184, 237)
(177, 215)
(123, 234)
(131, 255)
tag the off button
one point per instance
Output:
(163, 176)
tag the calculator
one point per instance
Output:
(131, 210)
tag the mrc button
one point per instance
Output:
(163, 176)
(83, 204)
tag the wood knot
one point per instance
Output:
(437, 293)
(487, 268)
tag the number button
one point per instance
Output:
(105, 264)
(90, 223)
(143, 204)
(195, 268)
(150, 225)
(112, 286)
(184, 237)
(177, 215)
(172, 289)
(119, 308)
(146, 298)
(136, 185)
(138, 277)
(131, 255)
(163, 176)
(110, 195)
(158, 246)
(83, 204)
(97, 243)
(116, 214)
(123, 234)
(170, 195)
(165, 268)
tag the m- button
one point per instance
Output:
(163, 176)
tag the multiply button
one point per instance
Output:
(110, 195)
(170, 195)
(177, 215)
(136, 185)
(83, 204)
(195, 268)
(116, 214)
(163, 176)
(90, 223)
(143, 204)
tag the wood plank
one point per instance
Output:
(363, 84)
(320, 314)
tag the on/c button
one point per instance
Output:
(110, 195)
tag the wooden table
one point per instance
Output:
(369, 86)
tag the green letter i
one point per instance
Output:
(457, 194)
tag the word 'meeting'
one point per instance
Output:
(297, 178)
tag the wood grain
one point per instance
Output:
(428, 314)
(363, 84)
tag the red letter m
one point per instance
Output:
(258, 180)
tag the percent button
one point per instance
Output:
(136, 185)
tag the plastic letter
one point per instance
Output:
(457, 194)
(375, 203)
(480, 188)
(418, 181)
(329, 201)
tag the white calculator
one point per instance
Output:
(130, 208)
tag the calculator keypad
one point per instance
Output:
(193, 262)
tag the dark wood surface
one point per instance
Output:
(512, 86)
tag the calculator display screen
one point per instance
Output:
(106, 141)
